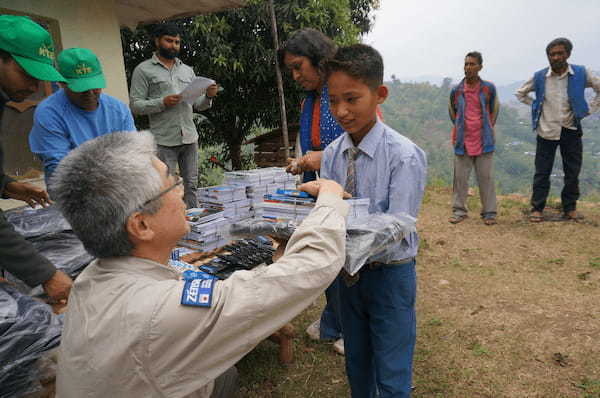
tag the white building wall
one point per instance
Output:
(89, 24)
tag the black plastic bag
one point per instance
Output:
(28, 329)
(35, 222)
(64, 250)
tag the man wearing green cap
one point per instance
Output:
(26, 57)
(76, 113)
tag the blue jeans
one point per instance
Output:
(186, 157)
(379, 320)
(331, 322)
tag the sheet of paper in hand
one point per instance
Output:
(195, 89)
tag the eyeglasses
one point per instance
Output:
(179, 181)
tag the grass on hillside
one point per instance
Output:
(503, 312)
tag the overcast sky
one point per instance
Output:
(431, 37)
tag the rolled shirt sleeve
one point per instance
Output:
(522, 93)
(138, 95)
(593, 81)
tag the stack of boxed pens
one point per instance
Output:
(281, 207)
(231, 202)
(259, 182)
(292, 205)
(282, 179)
(207, 230)
(230, 199)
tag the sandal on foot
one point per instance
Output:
(456, 219)
(490, 221)
(572, 215)
(536, 216)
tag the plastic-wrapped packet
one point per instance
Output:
(35, 222)
(371, 235)
(64, 250)
(365, 237)
(28, 329)
(252, 227)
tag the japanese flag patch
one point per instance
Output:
(198, 292)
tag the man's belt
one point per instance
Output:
(352, 279)
(376, 264)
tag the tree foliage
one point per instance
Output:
(235, 48)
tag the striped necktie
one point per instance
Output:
(350, 185)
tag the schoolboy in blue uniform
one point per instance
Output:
(373, 161)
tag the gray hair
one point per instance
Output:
(561, 41)
(98, 185)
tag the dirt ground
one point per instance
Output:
(504, 311)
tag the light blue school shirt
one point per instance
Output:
(59, 126)
(390, 170)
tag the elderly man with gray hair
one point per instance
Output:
(559, 107)
(136, 329)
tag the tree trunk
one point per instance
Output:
(235, 151)
(284, 126)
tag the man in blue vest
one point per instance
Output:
(556, 113)
(473, 109)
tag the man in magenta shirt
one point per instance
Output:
(473, 109)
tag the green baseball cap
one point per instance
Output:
(82, 69)
(30, 45)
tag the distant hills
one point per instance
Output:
(432, 79)
(420, 112)
(506, 92)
